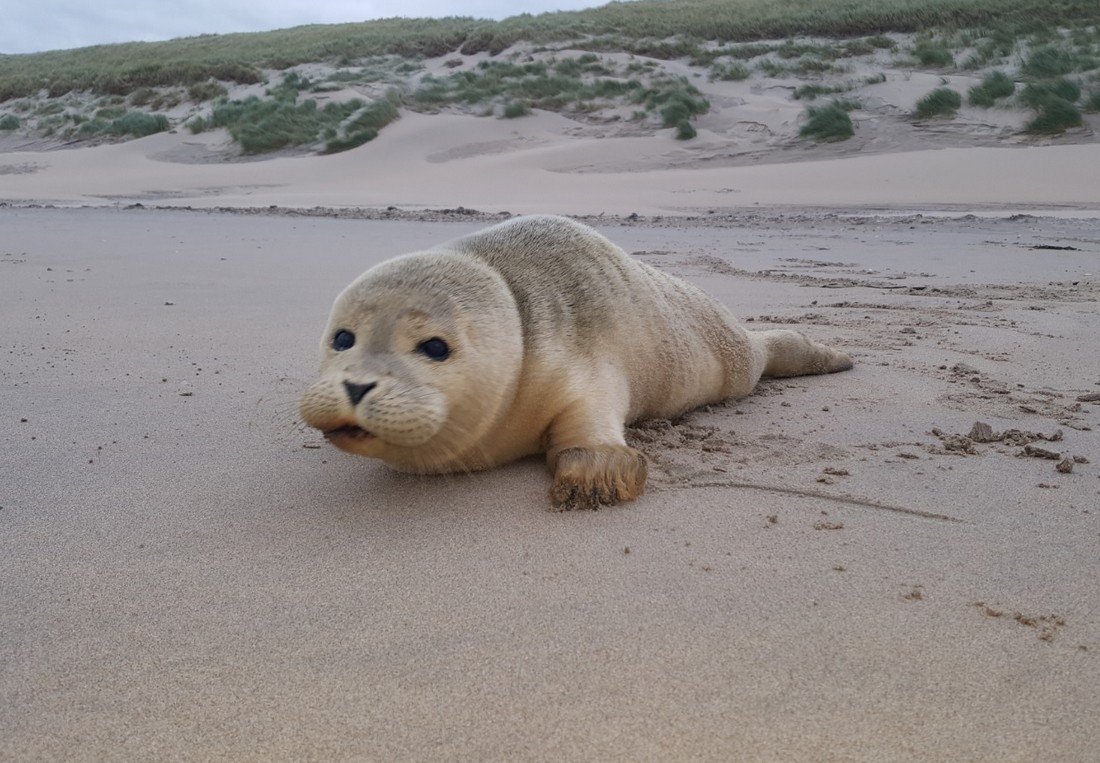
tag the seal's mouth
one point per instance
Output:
(348, 431)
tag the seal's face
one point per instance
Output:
(419, 359)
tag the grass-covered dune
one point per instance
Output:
(658, 28)
(626, 68)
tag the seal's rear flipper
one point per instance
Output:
(790, 353)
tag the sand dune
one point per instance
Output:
(530, 165)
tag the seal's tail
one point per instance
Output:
(790, 353)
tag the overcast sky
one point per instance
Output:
(27, 26)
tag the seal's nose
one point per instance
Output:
(357, 392)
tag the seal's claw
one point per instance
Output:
(587, 478)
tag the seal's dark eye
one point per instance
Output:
(343, 340)
(435, 348)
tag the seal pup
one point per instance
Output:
(536, 335)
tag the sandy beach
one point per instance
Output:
(836, 568)
(895, 563)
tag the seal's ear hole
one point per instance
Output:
(435, 348)
(343, 340)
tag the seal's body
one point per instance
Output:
(537, 335)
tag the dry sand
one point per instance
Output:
(538, 164)
(824, 571)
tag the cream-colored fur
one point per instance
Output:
(557, 340)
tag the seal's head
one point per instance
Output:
(420, 359)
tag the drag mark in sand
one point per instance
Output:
(658, 438)
(848, 500)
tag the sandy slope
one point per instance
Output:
(184, 574)
(747, 152)
(535, 165)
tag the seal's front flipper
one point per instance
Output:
(586, 450)
(587, 478)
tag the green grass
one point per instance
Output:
(335, 145)
(1047, 62)
(9, 122)
(537, 85)
(289, 87)
(798, 67)
(1037, 94)
(881, 42)
(515, 109)
(233, 57)
(280, 121)
(1054, 104)
(933, 54)
(827, 123)
(1054, 116)
(143, 96)
(940, 102)
(587, 63)
(676, 100)
(812, 90)
(684, 130)
(206, 91)
(1049, 92)
(652, 27)
(260, 125)
(993, 86)
(135, 124)
(544, 85)
(730, 72)
(373, 116)
(853, 48)
(742, 52)
(138, 124)
(791, 49)
(109, 113)
(994, 43)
